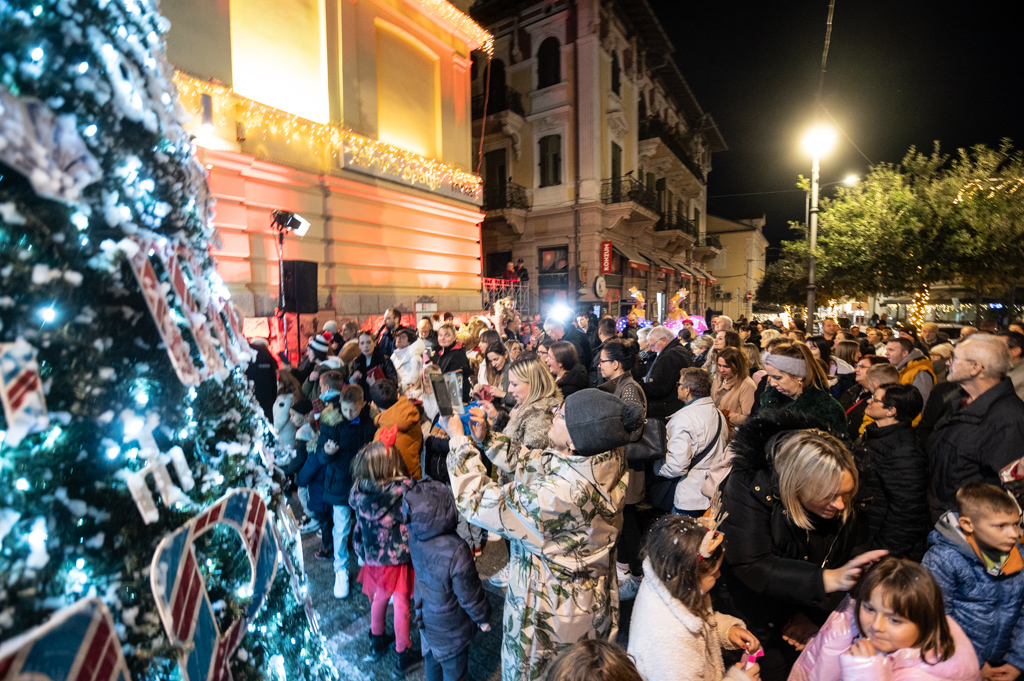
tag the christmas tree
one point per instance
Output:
(136, 469)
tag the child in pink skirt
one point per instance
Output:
(381, 540)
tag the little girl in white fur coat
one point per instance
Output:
(674, 634)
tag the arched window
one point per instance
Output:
(616, 78)
(549, 63)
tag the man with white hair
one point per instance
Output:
(721, 323)
(663, 373)
(559, 330)
(982, 428)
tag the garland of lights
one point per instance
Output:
(448, 12)
(919, 307)
(1009, 185)
(403, 165)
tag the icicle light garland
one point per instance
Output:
(263, 120)
(447, 11)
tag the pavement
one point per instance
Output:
(346, 622)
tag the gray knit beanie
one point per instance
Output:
(598, 421)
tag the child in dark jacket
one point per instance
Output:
(379, 481)
(344, 428)
(311, 476)
(450, 601)
(976, 559)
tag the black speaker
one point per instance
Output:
(300, 287)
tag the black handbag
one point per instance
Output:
(652, 446)
(662, 491)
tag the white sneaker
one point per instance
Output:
(341, 584)
(500, 578)
(311, 525)
(628, 588)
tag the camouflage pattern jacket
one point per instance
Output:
(562, 514)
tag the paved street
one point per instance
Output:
(346, 623)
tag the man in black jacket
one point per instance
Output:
(386, 334)
(605, 332)
(981, 429)
(557, 330)
(663, 375)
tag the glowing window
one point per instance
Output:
(408, 87)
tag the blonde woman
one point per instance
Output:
(733, 390)
(795, 541)
(536, 395)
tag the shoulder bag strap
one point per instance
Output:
(711, 445)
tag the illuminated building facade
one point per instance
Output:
(354, 114)
(596, 155)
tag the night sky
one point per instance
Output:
(900, 73)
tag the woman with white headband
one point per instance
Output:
(798, 382)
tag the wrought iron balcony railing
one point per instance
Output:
(501, 99)
(507, 195)
(621, 189)
(676, 221)
(654, 127)
(712, 241)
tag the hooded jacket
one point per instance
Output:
(405, 418)
(408, 363)
(350, 437)
(774, 569)
(824, 659)
(893, 493)
(380, 536)
(668, 642)
(660, 385)
(283, 421)
(916, 370)
(688, 433)
(450, 601)
(989, 608)
(973, 443)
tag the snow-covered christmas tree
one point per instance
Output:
(139, 512)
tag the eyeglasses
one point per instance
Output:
(559, 411)
(606, 361)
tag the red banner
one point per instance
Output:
(606, 257)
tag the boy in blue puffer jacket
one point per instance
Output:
(976, 559)
(450, 602)
(345, 426)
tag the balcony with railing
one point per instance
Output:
(707, 247)
(628, 189)
(653, 127)
(500, 99)
(508, 195)
(676, 222)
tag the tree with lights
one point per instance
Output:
(905, 226)
(140, 515)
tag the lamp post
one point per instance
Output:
(818, 141)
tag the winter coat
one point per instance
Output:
(408, 363)
(974, 443)
(628, 390)
(365, 366)
(450, 601)
(263, 374)
(893, 490)
(584, 353)
(562, 514)
(818, 404)
(844, 374)
(380, 536)
(688, 433)
(386, 339)
(574, 380)
(594, 372)
(660, 385)
(824, 659)
(989, 608)
(736, 399)
(916, 370)
(530, 425)
(668, 642)
(774, 569)
(283, 420)
(312, 476)
(855, 402)
(404, 415)
(350, 437)
(453, 358)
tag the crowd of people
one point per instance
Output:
(833, 506)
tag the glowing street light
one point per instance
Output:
(818, 142)
(851, 180)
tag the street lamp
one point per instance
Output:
(818, 142)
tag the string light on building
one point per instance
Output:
(354, 149)
(448, 12)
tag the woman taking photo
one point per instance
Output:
(795, 542)
(616, 362)
(733, 390)
(797, 382)
(570, 375)
(495, 374)
(451, 356)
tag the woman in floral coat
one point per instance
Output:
(562, 512)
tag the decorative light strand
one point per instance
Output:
(263, 120)
(448, 12)
(1009, 185)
